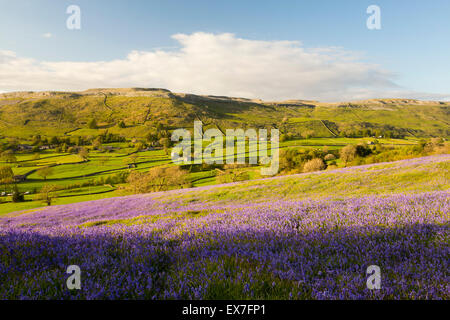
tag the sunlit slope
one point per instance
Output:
(418, 175)
(50, 113)
(266, 239)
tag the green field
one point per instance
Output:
(127, 118)
(69, 170)
(67, 114)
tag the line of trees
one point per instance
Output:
(297, 160)
(157, 179)
(9, 184)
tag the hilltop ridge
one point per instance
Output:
(23, 114)
(161, 92)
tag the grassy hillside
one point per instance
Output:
(53, 129)
(95, 177)
(308, 236)
(52, 113)
(406, 176)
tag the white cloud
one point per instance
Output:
(47, 35)
(217, 64)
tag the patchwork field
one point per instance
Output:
(85, 145)
(79, 179)
(302, 236)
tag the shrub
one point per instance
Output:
(363, 150)
(17, 196)
(329, 157)
(316, 164)
(348, 153)
(157, 179)
(233, 173)
(8, 156)
(47, 194)
(6, 175)
(45, 172)
(92, 124)
(83, 153)
(293, 159)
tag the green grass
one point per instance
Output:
(77, 196)
(69, 171)
(341, 142)
(335, 184)
(67, 115)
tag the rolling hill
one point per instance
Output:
(23, 114)
(307, 236)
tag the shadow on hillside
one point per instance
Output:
(141, 265)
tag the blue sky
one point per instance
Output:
(412, 46)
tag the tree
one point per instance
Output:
(152, 138)
(315, 164)
(307, 134)
(137, 182)
(165, 143)
(97, 143)
(134, 158)
(54, 141)
(16, 195)
(293, 159)
(36, 140)
(47, 194)
(159, 127)
(6, 176)
(348, 153)
(92, 124)
(8, 156)
(139, 146)
(83, 153)
(363, 150)
(233, 173)
(166, 178)
(157, 179)
(45, 172)
(7, 179)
